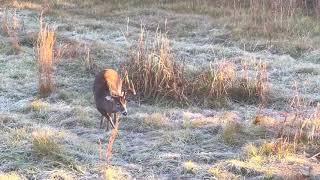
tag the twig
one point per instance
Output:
(315, 155)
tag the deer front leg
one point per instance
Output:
(115, 118)
(112, 121)
(109, 120)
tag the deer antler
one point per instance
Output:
(132, 89)
(129, 83)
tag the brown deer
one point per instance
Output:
(109, 97)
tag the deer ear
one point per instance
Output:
(108, 98)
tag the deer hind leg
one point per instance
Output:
(101, 121)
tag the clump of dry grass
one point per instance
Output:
(44, 143)
(231, 133)
(72, 49)
(302, 122)
(113, 173)
(190, 167)
(156, 120)
(18, 135)
(10, 176)
(280, 148)
(221, 173)
(38, 105)
(218, 79)
(60, 174)
(222, 82)
(251, 89)
(154, 71)
(45, 57)
(213, 84)
(262, 159)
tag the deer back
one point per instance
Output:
(113, 82)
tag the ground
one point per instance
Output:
(59, 136)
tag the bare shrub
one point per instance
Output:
(45, 57)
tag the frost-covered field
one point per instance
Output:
(155, 141)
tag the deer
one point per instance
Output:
(110, 98)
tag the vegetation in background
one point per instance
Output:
(158, 76)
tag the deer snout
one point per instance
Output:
(124, 112)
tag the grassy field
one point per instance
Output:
(225, 89)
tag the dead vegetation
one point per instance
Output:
(45, 58)
(155, 73)
(44, 143)
(159, 76)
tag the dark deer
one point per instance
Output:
(109, 97)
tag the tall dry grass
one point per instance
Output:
(45, 57)
(302, 122)
(158, 76)
(216, 80)
(275, 21)
(154, 71)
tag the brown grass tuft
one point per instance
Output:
(44, 144)
(45, 45)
